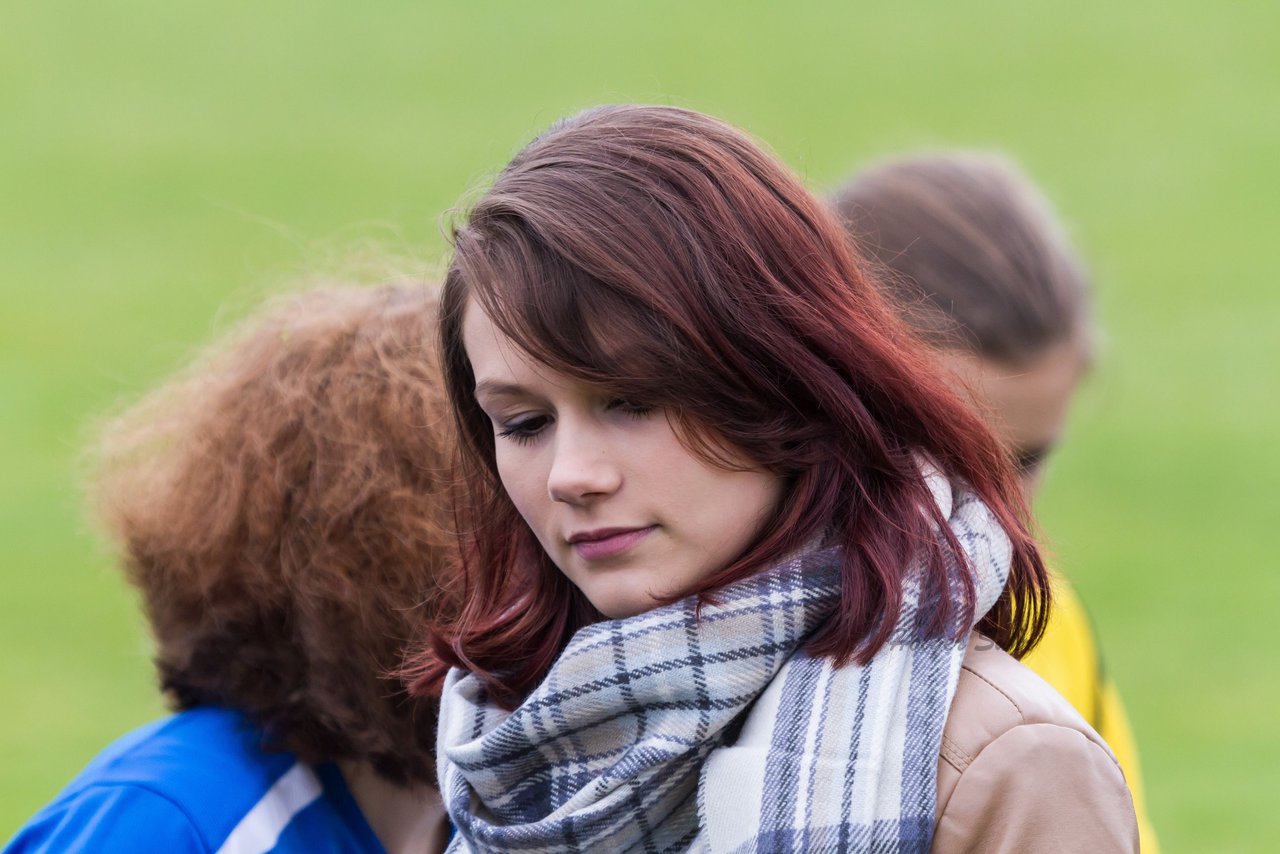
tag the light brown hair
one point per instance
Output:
(281, 508)
(971, 252)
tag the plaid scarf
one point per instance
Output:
(669, 731)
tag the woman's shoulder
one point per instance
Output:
(1020, 769)
(996, 693)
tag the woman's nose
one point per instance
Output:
(583, 469)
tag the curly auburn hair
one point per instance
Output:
(282, 507)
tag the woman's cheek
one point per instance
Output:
(517, 472)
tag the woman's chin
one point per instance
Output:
(616, 602)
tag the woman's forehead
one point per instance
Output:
(500, 366)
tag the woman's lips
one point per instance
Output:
(599, 545)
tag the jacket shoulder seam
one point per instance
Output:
(1060, 727)
(954, 755)
(1022, 718)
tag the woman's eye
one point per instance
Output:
(1029, 460)
(628, 407)
(524, 429)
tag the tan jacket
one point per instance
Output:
(1020, 770)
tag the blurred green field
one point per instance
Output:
(162, 166)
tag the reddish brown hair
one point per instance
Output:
(282, 509)
(660, 255)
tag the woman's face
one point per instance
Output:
(622, 507)
(1026, 407)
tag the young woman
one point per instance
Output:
(727, 533)
(976, 261)
(282, 509)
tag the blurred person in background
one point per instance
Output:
(975, 259)
(281, 507)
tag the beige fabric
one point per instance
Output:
(1021, 771)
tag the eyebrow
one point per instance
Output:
(494, 387)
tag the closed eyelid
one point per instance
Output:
(1030, 458)
(520, 421)
(493, 395)
(522, 430)
(624, 403)
(517, 418)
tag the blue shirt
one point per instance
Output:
(199, 781)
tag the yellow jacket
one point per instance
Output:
(1068, 659)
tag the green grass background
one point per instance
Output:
(163, 165)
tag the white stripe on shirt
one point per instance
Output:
(261, 826)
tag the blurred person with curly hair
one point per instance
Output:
(282, 508)
(973, 256)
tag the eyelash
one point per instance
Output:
(525, 431)
(1029, 462)
(635, 410)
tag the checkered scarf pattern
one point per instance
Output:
(670, 731)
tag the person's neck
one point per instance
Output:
(404, 818)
